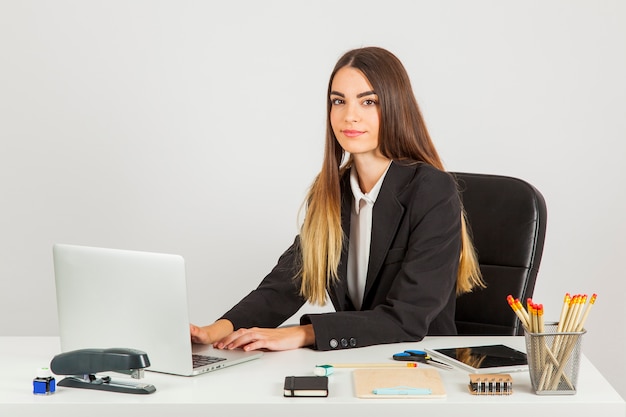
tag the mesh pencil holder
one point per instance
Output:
(554, 360)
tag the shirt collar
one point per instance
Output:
(359, 195)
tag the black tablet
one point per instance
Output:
(483, 359)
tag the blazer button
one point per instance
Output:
(352, 342)
(344, 343)
(333, 343)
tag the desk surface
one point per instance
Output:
(255, 388)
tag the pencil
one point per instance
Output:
(373, 365)
(521, 308)
(567, 325)
(570, 313)
(533, 313)
(517, 312)
(564, 309)
(571, 325)
(592, 301)
(536, 313)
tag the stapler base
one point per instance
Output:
(105, 384)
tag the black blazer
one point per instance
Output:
(411, 279)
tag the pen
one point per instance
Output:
(402, 391)
(373, 365)
(325, 370)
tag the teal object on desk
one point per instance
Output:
(402, 391)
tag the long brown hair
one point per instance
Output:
(402, 136)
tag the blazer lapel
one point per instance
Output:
(342, 297)
(386, 218)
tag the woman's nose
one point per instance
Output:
(352, 113)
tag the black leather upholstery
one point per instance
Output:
(507, 220)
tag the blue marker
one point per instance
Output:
(402, 391)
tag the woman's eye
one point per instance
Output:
(370, 102)
(336, 101)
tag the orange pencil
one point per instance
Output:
(571, 312)
(522, 310)
(592, 301)
(534, 312)
(540, 319)
(564, 311)
(517, 312)
(577, 309)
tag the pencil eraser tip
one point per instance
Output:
(323, 370)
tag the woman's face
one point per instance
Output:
(354, 112)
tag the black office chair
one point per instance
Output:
(507, 220)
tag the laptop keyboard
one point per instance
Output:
(202, 360)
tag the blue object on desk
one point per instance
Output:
(44, 386)
(44, 383)
(420, 356)
(402, 391)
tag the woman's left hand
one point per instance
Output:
(282, 338)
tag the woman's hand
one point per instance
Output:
(209, 334)
(282, 338)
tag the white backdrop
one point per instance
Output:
(196, 127)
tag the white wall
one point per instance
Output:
(195, 127)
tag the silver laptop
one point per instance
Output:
(111, 298)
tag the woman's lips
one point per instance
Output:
(352, 133)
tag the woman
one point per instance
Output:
(384, 233)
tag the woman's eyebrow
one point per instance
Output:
(363, 94)
(366, 93)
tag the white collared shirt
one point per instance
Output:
(360, 236)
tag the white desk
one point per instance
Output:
(255, 388)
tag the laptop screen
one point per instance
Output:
(116, 298)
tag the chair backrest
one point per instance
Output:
(507, 221)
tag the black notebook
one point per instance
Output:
(306, 386)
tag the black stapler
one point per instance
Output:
(83, 364)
